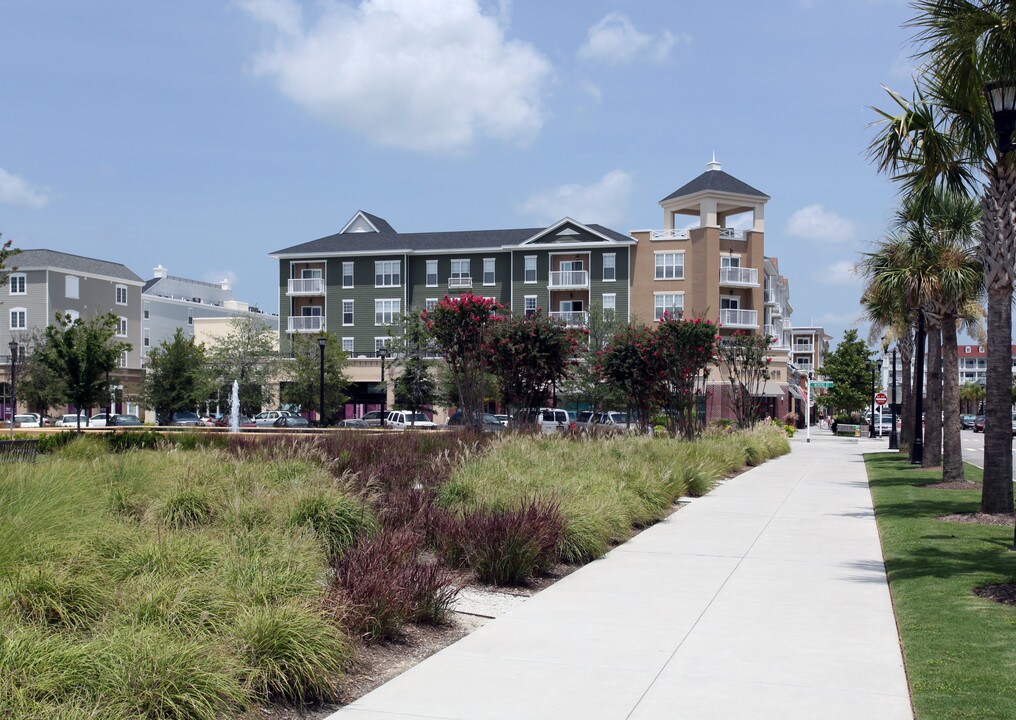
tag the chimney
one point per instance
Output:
(226, 285)
(160, 272)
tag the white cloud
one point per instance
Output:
(614, 40)
(429, 75)
(593, 91)
(603, 202)
(15, 191)
(816, 223)
(842, 272)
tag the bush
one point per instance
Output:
(383, 582)
(51, 442)
(335, 517)
(134, 440)
(187, 507)
(59, 596)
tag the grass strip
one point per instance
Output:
(960, 650)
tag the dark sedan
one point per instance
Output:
(292, 421)
(979, 424)
(124, 421)
(242, 421)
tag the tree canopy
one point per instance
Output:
(177, 376)
(850, 372)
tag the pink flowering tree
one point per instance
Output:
(633, 363)
(527, 354)
(745, 358)
(461, 328)
(688, 348)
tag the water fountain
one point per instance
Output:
(234, 408)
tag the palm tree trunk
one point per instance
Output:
(998, 234)
(907, 406)
(933, 395)
(952, 448)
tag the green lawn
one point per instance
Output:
(960, 650)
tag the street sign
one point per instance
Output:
(821, 383)
(881, 399)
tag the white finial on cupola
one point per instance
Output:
(713, 165)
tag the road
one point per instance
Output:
(973, 448)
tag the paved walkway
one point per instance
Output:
(765, 599)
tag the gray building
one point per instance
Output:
(170, 302)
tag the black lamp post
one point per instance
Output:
(1002, 100)
(917, 445)
(382, 353)
(14, 374)
(321, 341)
(894, 439)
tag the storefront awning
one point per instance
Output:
(796, 392)
(772, 389)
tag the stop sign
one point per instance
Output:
(881, 399)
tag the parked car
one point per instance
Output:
(503, 419)
(26, 421)
(98, 420)
(209, 420)
(243, 421)
(183, 418)
(456, 418)
(407, 419)
(883, 425)
(979, 424)
(548, 420)
(373, 418)
(291, 421)
(43, 420)
(70, 421)
(967, 421)
(354, 424)
(268, 417)
(124, 421)
(1014, 423)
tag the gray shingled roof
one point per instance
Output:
(715, 180)
(398, 242)
(379, 222)
(38, 259)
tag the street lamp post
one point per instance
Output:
(894, 439)
(383, 354)
(14, 373)
(321, 341)
(917, 445)
(871, 400)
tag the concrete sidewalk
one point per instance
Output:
(765, 599)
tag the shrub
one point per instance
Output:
(51, 442)
(85, 447)
(383, 582)
(187, 507)
(290, 652)
(335, 517)
(133, 440)
(59, 596)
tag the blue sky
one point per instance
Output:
(202, 135)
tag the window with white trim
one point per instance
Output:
(488, 271)
(669, 266)
(430, 304)
(190, 317)
(347, 345)
(71, 287)
(530, 305)
(146, 341)
(18, 284)
(311, 274)
(347, 274)
(121, 294)
(121, 327)
(670, 303)
(19, 319)
(347, 312)
(387, 273)
(609, 305)
(730, 261)
(385, 311)
(380, 342)
(73, 315)
(460, 270)
(609, 267)
(432, 273)
(529, 271)
(123, 360)
(147, 310)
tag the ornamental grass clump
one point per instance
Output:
(59, 596)
(335, 517)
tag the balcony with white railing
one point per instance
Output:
(731, 318)
(731, 234)
(569, 280)
(805, 367)
(306, 286)
(306, 323)
(670, 234)
(739, 276)
(803, 347)
(461, 281)
(770, 296)
(573, 318)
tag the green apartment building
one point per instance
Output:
(355, 283)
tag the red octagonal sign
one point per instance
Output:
(881, 399)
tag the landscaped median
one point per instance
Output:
(190, 581)
(959, 648)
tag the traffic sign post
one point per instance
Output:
(881, 399)
(826, 384)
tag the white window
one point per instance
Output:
(609, 267)
(530, 305)
(609, 305)
(147, 310)
(347, 345)
(146, 341)
(190, 317)
(671, 303)
(312, 311)
(347, 312)
(310, 273)
(380, 342)
(385, 311)
(19, 318)
(530, 269)
(121, 294)
(730, 261)
(347, 274)
(730, 302)
(670, 266)
(123, 360)
(121, 327)
(488, 271)
(18, 284)
(430, 304)
(460, 270)
(72, 314)
(432, 273)
(387, 273)
(71, 287)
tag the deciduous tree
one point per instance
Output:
(303, 370)
(247, 355)
(745, 358)
(177, 376)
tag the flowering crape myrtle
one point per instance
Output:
(689, 348)
(746, 359)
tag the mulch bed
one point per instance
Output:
(980, 518)
(1005, 594)
(952, 485)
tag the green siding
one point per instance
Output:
(419, 292)
(519, 286)
(597, 287)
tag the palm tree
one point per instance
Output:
(971, 395)
(946, 137)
